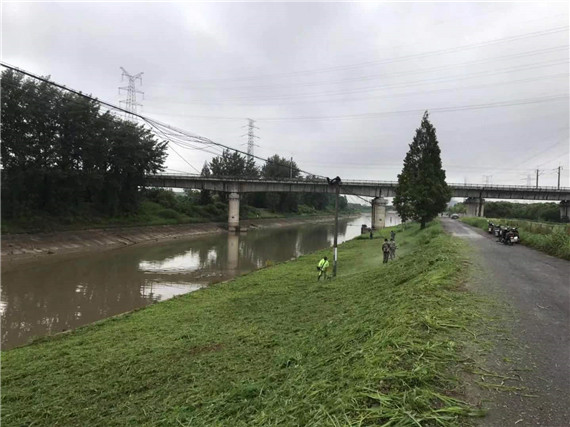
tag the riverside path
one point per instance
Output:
(537, 287)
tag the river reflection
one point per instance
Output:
(54, 295)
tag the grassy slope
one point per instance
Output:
(379, 344)
(551, 239)
(149, 213)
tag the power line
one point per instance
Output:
(384, 96)
(523, 101)
(376, 76)
(457, 77)
(401, 58)
(158, 126)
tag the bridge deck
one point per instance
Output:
(354, 187)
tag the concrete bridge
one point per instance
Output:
(475, 194)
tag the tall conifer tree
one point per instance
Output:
(422, 192)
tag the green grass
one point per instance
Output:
(549, 238)
(378, 345)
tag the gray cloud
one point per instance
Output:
(308, 72)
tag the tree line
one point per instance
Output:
(549, 212)
(233, 164)
(62, 155)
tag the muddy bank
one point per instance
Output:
(23, 247)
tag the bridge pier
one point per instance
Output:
(233, 212)
(379, 213)
(565, 210)
(475, 206)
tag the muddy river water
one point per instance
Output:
(56, 294)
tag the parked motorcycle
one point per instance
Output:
(516, 238)
(509, 236)
(490, 227)
(497, 230)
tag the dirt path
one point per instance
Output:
(537, 287)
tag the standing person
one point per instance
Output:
(392, 235)
(392, 248)
(385, 251)
(322, 266)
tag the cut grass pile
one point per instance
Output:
(378, 345)
(549, 238)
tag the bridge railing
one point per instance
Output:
(357, 182)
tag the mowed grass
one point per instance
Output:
(378, 345)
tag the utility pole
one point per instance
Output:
(559, 167)
(251, 137)
(336, 183)
(537, 178)
(131, 101)
(291, 169)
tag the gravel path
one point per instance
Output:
(537, 287)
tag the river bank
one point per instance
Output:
(378, 344)
(17, 248)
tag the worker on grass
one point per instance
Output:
(386, 250)
(392, 248)
(322, 267)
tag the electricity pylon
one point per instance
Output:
(250, 137)
(131, 101)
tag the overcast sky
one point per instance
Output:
(340, 87)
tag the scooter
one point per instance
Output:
(515, 237)
(490, 227)
(497, 231)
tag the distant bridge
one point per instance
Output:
(475, 194)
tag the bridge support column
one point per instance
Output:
(475, 206)
(379, 213)
(233, 212)
(565, 210)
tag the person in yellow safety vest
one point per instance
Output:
(322, 266)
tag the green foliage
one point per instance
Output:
(458, 208)
(279, 167)
(62, 156)
(532, 211)
(422, 192)
(233, 164)
(551, 239)
(379, 345)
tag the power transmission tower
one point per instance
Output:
(251, 137)
(131, 101)
(487, 179)
(528, 179)
(559, 167)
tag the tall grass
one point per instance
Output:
(378, 345)
(550, 238)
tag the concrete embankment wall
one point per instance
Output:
(20, 247)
